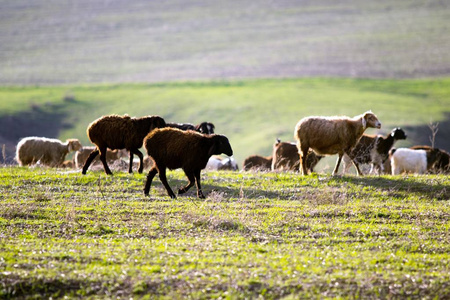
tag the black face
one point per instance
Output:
(223, 146)
(158, 122)
(399, 134)
(205, 128)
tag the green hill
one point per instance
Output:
(252, 113)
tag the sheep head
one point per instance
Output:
(398, 134)
(205, 128)
(369, 119)
(73, 145)
(220, 144)
(156, 122)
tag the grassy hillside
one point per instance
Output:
(54, 42)
(252, 113)
(256, 235)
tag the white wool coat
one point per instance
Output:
(409, 161)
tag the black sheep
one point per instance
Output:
(173, 148)
(204, 127)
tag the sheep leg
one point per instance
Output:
(89, 160)
(103, 160)
(346, 161)
(303, 155)
(141, 160)
(197, 181)
(338, 163)
(184, 189)
(358, 171)
(162, 176)
(151, 174)
(130, 167)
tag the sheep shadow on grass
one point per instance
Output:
(397, 186)
(212, 190)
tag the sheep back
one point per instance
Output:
(257, 162)
(333, 135)
(327, 136)
(122, 132)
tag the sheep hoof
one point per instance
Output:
(200, 195)
(181, 191)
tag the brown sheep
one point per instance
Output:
(331, 135)
(120, 132)
(257, 162)
(68, 164)
(173, 148)
(49, 152)
(286, 158)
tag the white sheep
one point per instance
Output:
(331, 135)
(49, 152)
(217, 163)
(416, 161)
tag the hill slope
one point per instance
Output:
(251, 113)
(53, 42)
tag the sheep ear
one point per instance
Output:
(364, 121)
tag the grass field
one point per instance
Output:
(267, 235)
(246, 66)
(252, 113)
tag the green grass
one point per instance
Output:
(252, 113)
(268, 235)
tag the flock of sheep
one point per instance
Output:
(194, 148)
(345, 136)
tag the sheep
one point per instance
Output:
(373, 149)
(442, 162)
(204, 127)
(286, 157)
(173, 148)
(413, 160)
(258, 162)
(49, 152)
(217, 163)
(331, 135)
(229, 163)
(68, 164)
(120, 132)
(82, 155)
